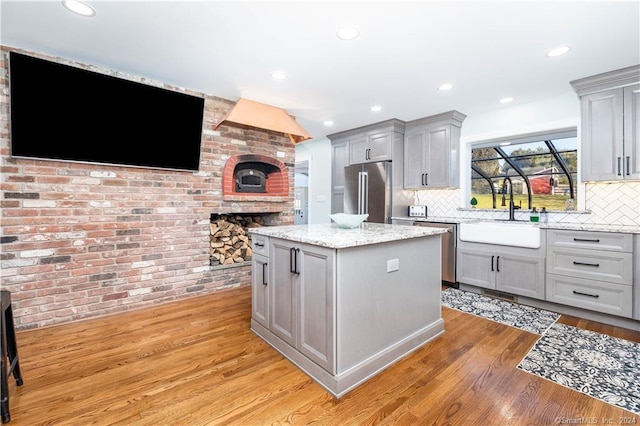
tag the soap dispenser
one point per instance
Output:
(543, 215)
(533, 216)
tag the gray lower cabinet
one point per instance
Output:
(344, 314)
(591, 270)
(636, 281)
(501, 268)
(302, 292)
(260, 289)
(260, 299)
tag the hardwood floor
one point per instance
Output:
(196, 362)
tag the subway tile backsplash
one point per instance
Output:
(606, 203)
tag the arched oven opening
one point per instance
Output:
(252, 177)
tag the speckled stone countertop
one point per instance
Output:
(592, 227)
(625, 229)
(330, 235)
(437, 219)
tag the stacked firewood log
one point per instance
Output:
(230, 239)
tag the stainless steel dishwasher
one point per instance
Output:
(449, 244)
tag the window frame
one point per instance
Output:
(520, 139)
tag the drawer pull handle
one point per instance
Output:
(595, 265)
(586, 240)
(259, 244)
(586, 294)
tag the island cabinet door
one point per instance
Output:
(302, 291)
(316, 317)
(282, 290)
(260, 290)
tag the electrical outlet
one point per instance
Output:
(393, 265)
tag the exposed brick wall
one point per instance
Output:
(87, 240)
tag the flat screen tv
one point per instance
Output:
(60, 112)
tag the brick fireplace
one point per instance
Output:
(246, 178)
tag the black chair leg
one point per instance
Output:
(9, 351)
(12, 347)
(4, 391)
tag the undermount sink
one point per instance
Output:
(505, 233)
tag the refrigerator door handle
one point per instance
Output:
(360, 189)
(363, 192)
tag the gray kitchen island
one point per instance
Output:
(343, 304)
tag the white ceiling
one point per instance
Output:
(487, 49)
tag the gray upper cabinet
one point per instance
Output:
(375, 142)
(381, 141)
(610, 132)
(431, 151)
(340, 159)
(370, 148)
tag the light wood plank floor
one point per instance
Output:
(195, 362)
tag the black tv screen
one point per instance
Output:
(60, 112)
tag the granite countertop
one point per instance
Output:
(330, 235)
(625, 229)
(593, 227)
(437, 219)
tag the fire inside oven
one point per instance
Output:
(251, 180)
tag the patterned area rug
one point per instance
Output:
(603, 367)
(525, 318)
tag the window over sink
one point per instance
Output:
(542, 168)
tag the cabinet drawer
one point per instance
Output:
(608, 266)
(260, 244)
(614, 299)
(590, 240)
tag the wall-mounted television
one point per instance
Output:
(60, 112)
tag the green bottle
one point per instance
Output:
(533, 216)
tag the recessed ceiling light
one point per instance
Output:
(376, 108)
(445, 86)
(79, 7)
(328, 123)
(506, 100)
(348, 33)
(278, 75)
(558, 51)
(505, 143)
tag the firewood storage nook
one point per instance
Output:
(230, 238)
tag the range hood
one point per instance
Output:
(263, 116)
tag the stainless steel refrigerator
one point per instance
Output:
(368, 189)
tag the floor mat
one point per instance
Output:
(525, 318)
(601, 366)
